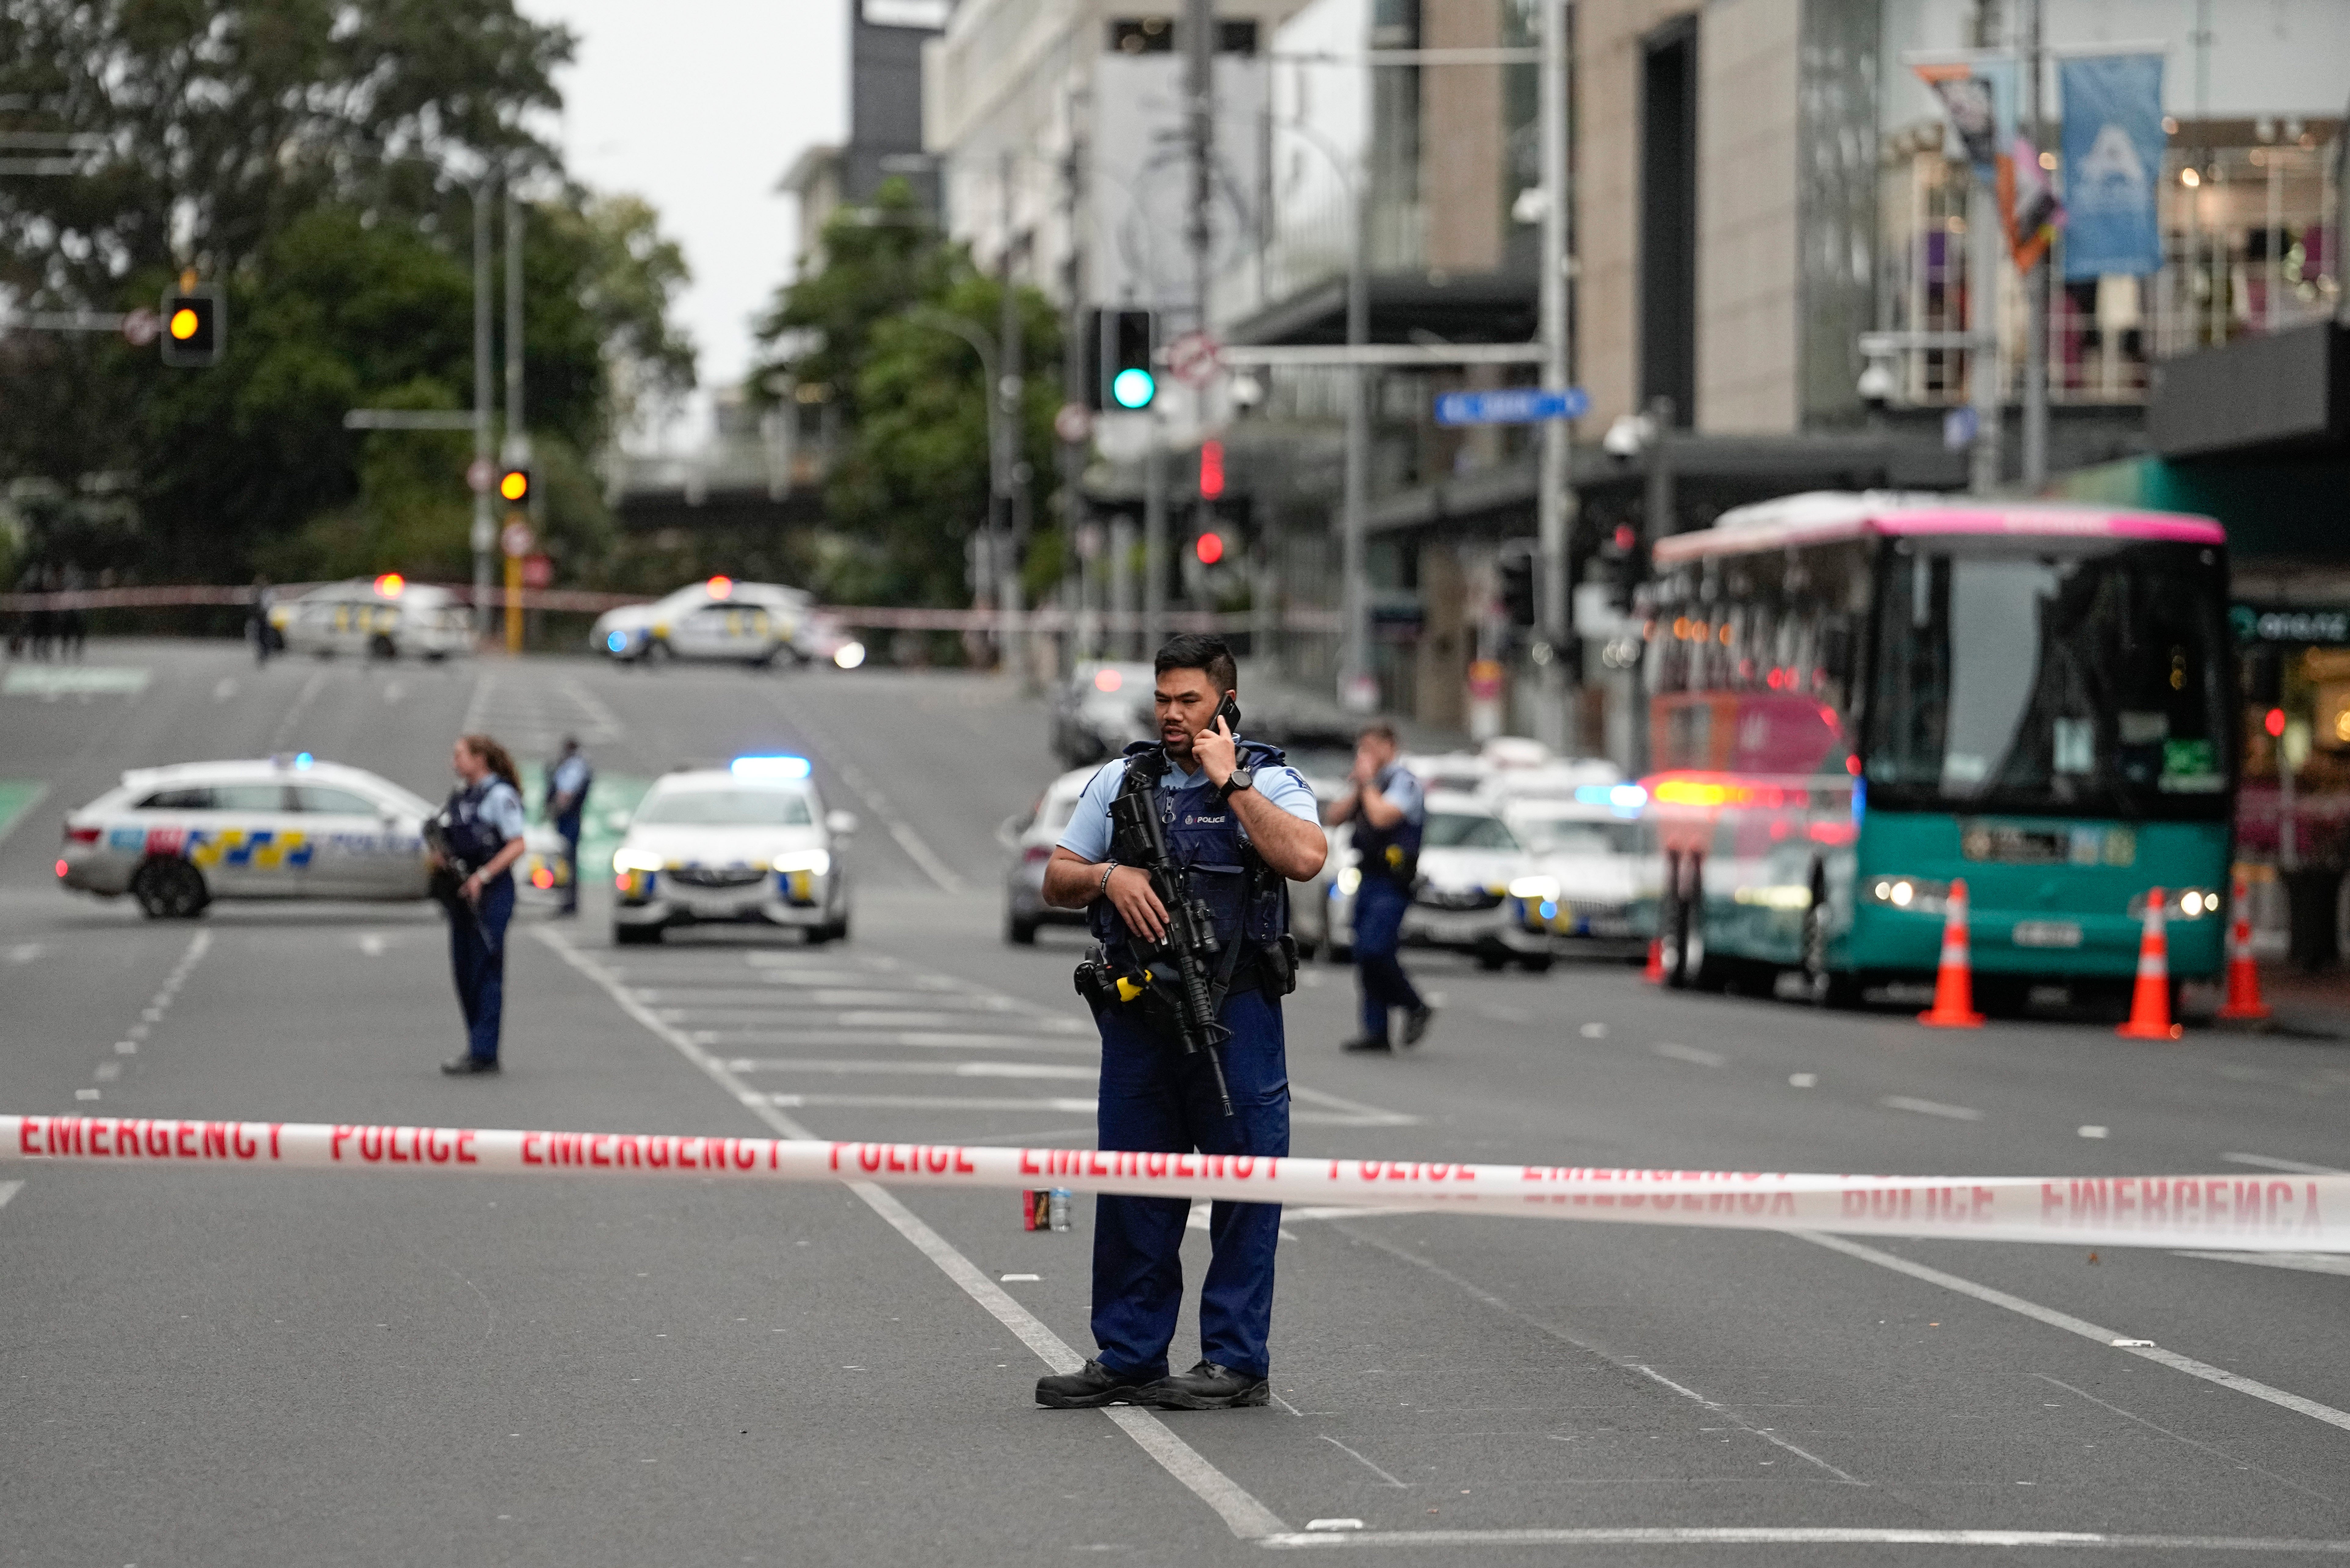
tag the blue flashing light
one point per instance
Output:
(1628, 797)
(616, 641)
(1550, 909)
(769, 767)
(1595, 795)
(1133, 388)
(303, 759)
(1859, 800)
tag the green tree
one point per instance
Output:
(912, 483)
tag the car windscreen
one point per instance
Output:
(726, 808)
(2082, 678)
(1465, 830)
(1570, 835)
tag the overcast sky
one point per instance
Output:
(700, 106)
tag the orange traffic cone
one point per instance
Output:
(1954, 985)
(2243, 975)
(2149, 1016)
(1655, 973)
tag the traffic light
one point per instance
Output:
(1211, 470)
(1208, 547)
(514, 484)
(1125, 379)
(1518, 573)
(195, 326)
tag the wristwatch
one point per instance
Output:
(1238, 780)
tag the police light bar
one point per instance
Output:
(1626, 797)
(769, 767)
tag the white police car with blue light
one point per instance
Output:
(750, 843)
(175, 838)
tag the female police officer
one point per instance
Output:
(478, 838)
(1238, 821)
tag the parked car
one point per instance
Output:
(1100, 709)
(1030, 836)
(719, 619)
(383, 618)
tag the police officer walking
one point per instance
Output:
(566, 797)
(1240, 822)
(476, 838)
(1388, 810)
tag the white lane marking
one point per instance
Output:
(295, 708)
(1327, 1523)
(1479, 1294)
(2094, 1132)
(2307, 1263)
(1067, 1106)
(1359, 1114)
(9, 1189)
(2236, 1459)
(2269, 1162)
(1242, 1513)
(478, 709)
(371, 944)
(9, 825)
(1020, 1279)
(85, 1094)
(1400, 1486)
(603, 724)
(918, 1069)
(2144, 1349)
(1804, 1080)
(107, 1072)
(1803, 1535)
(224, 688)
(1931, 1109)
(878, 1019)
(913, 1039)
(1768, 1436)
(918, 852)
(1593, 1031)
(24, 952)
(393, 691)
(1690, 1053)
(125, 1047)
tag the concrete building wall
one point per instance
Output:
(1463, 163)
(1747, 218)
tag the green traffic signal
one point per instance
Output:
(1133, 388)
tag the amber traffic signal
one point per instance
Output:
(513, 486)
(195, 326)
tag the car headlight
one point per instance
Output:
(1534, 890)
(814, 861)
(1917, 894)
(627, 860)
(2186, 904)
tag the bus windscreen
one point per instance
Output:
(2085, 679)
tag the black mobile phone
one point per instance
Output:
(1231, 712)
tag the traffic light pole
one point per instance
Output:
(518, 441)
(485, 523)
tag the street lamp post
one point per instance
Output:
(999, 474)
(1554, 504)
(485, 523)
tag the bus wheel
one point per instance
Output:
(1823, 986)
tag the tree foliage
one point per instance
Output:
(912, 483)
(316, 159)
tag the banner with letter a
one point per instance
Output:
(2113, 143)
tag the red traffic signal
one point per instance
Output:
(1208, 547)
(1211, 470)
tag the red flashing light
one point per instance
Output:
(1211, 470)
(1210, 548)
(2274, 722)
(390, 585)
(1852, 766)
(721, 587)
(61, 867)
(1624, 538)
(1107, 680)
(542, 878)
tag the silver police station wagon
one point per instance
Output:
(177, 838)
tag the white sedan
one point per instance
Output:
(749, 843)
(722, 620)
(382, 618)
(177, 838)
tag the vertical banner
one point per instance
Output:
(2113, 143)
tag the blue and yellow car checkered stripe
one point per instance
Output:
(260, 849)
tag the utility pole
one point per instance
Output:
(1200, 93)
(485, 528)
(1555, 502)
(1983, 297)
(1154, 537)
(1010, 384)
(1358, 689)
(2035, 293)
(1073, 514)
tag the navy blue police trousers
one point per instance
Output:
(1379, 904)
(477, 952)
(1155, 1102)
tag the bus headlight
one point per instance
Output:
(2186, 904)
(1918, 895)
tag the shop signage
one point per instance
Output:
(2324, 625)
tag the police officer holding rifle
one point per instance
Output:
(1182, 851)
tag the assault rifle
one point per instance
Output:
(1137, 840)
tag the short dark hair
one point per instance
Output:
(1194, 651)
(1381, 731)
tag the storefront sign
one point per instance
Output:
(2326, 626)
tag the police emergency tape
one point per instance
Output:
(2253, 1213)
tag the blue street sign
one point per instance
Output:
(1511, 406)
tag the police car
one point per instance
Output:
(724, 620)
(177, 838)
(383, 618)
(748, 844)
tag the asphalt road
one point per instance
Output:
(208, 1366)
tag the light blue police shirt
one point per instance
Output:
(501, 810)
(1087, 837)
